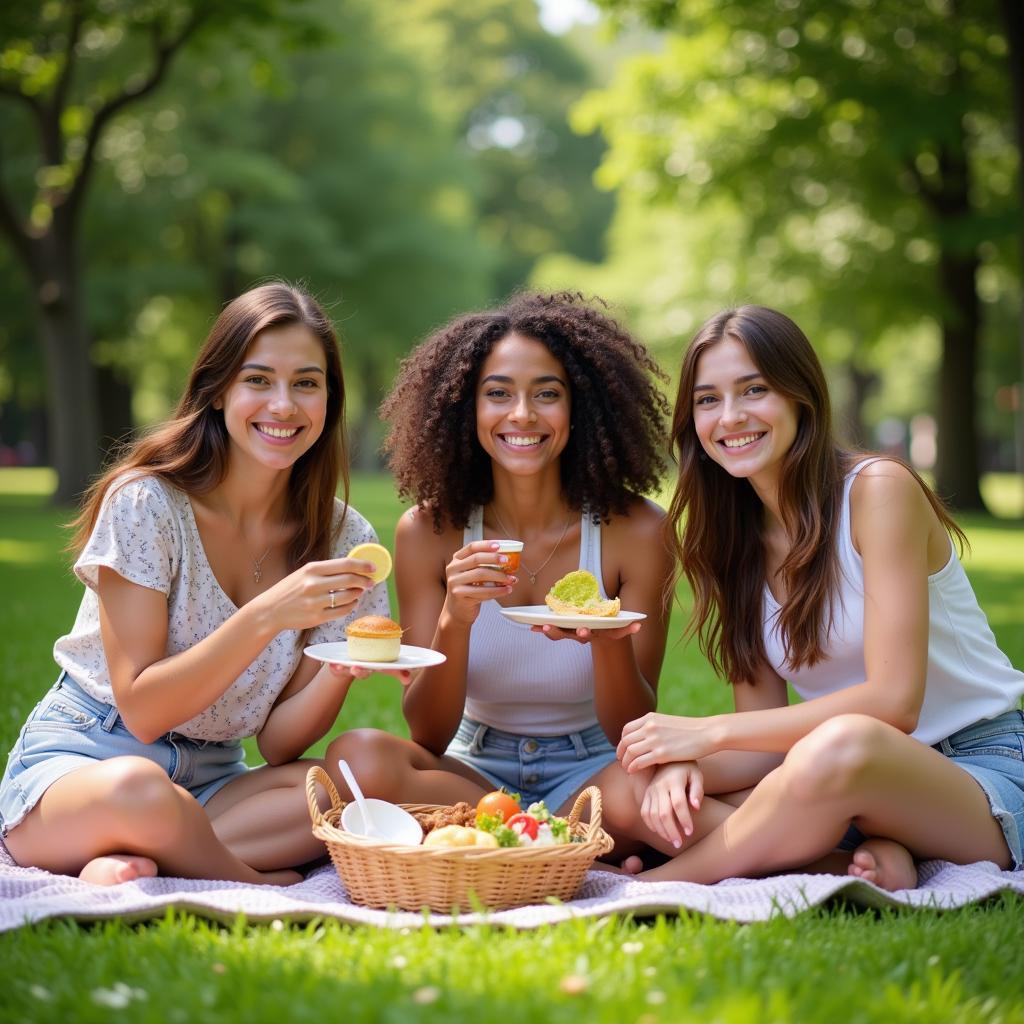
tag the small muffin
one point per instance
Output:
(374, 638)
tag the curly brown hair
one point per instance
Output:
(618, 412)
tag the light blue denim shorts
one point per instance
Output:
(992, 753)
(548, 768)
(68, 729)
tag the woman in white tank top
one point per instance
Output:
(835, 572)
(540, 421)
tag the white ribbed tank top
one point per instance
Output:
(968, 676)
(520, 681)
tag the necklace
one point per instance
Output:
(257, 565)
(534, 573)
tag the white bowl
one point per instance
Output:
(391, 823)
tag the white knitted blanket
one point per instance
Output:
(29, 894)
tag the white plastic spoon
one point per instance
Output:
(388, 821)
(364, 811)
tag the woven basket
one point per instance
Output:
(447, 879)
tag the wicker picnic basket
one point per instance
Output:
(447, 879)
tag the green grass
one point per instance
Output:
(835, 963)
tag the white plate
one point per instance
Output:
(542, 615)
(408, 656)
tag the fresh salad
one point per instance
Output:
(500, 814)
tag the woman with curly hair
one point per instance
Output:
(539, 421)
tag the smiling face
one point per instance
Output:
(523, 406)
(275, 408)
(742, 423)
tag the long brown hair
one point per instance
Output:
(715, 521)
(190, 450)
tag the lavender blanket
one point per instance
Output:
(29, 894)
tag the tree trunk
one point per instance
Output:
(1013, 24)
(117, 424)
(860, 384)
(366, 435)
(957, 470)
(73, 414)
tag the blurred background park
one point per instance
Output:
(853, 162)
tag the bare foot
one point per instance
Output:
(886, 863)
(632, 865)
(116, 868)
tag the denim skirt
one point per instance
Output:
(548, 768)
(69, 729)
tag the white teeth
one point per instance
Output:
(522, 442)
(278, 431)
(741, 442)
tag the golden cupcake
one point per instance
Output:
(374, 638)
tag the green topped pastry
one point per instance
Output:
(577, 593)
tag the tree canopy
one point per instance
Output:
(856, 158)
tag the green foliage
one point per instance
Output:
(359, 148)
(507, 85)
(811, 155)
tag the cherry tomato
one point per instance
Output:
(499, 804)
(524, 824)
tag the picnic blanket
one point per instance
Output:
(30, 894)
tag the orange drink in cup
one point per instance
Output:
(511, 549)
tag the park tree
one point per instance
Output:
(338, 172)
(867, 144)
(68, 70)
(507, 95)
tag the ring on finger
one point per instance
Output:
(332, 593)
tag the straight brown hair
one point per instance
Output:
(715, 521)
(190, 450)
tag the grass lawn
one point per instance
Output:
(837, 963)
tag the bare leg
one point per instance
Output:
(621, 797)
(399, 770)
(851, 768)
(263, 819)
(126, 807)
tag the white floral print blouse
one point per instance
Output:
(147, 533)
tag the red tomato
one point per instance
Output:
(524, 824)
(499, 804)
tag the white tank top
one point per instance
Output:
(521, 681)
(968, 676)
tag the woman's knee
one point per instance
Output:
(621, 796)
(377, 759)
(833, 759)
(138, 799)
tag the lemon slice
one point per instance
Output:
(376, 553)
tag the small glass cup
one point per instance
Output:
(511, 549)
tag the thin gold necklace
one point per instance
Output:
(257, 565)
(534, 573)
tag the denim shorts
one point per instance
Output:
(992, 753)
(548, 768)
(68, 729)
